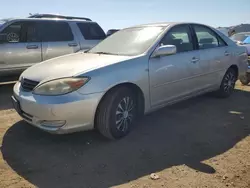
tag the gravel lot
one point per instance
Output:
(202, 142)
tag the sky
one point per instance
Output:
(112, 14)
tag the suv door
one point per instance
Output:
(21, 47)
(175, 76)
(214, 55)
(57, 39)
(91, 34)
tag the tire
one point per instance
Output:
(245, 79)
(227, 84)
(116, 113)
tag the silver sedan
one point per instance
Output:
(133, 72)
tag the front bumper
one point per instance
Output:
(57, 114)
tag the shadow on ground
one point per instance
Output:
(5, 96)
(185, 133)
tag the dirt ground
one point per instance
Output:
(202, 142)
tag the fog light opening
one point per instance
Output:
(52, 124)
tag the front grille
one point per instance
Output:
(28, 85)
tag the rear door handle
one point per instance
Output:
(227, 53)
(72, 44)
(32, 47)
(194, 60)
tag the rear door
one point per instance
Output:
(214, 55)
(91, 34)
(22, 47)
(57, 39)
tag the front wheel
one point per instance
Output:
(228, 83)
(116, 113)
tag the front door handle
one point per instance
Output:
(73, 44)
(32, 47)
(227, 53)
(194, 60)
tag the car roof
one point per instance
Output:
(165, 24)
(50, 19)
(242, 33)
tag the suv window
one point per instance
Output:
(91, 31)
(55, 31)
(179, 36)
(31, 32)
(12, 33)
(207, 38)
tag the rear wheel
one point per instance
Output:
(227, 84)
(116, 113)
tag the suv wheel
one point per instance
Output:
(116, 113)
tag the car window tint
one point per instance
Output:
(91, 31)
(207, 38)
(56, 32)
(32, 33)
(12, 33)
(180, 37)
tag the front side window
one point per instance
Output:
(55, 32)
(129, 42)
(32, 34)
(180, 37)
(91, 31)
(12, 33)
(207, 38)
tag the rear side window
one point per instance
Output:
(207, 38)
(91, 31)
(55, 32)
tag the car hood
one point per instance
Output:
(70, 65)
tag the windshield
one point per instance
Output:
(128, 42)
(240, 37)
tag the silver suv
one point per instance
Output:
(24, 42)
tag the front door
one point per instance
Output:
(175, 76)
(21, 47)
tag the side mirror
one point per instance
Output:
(164, 51)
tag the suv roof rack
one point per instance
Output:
(58, 16)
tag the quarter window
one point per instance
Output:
(56, 32)
(91, 31)
(207, 38)
(180, 37)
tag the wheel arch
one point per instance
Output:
(235, 68)
(134, 88)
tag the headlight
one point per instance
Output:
(60, 86)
